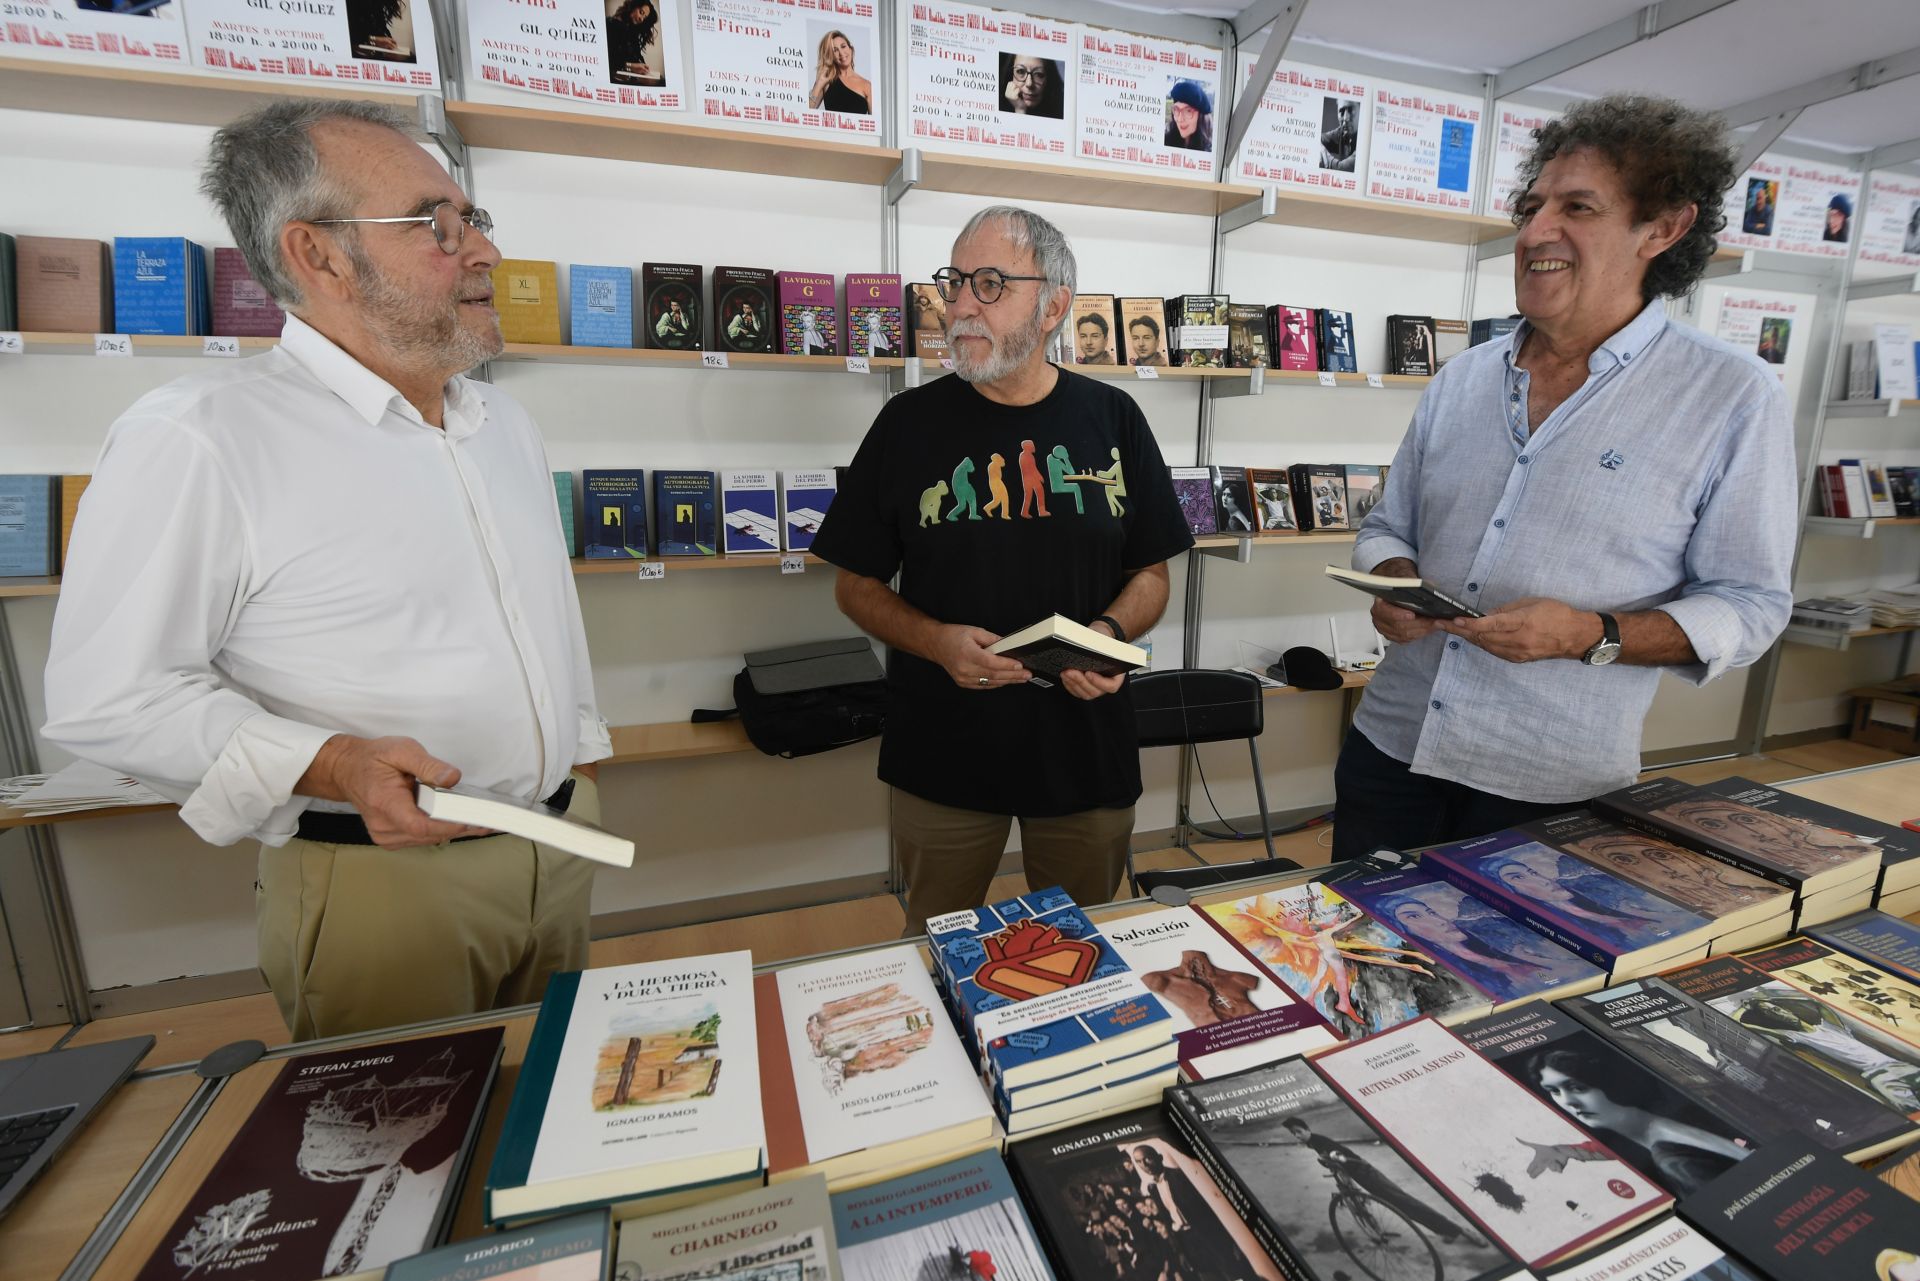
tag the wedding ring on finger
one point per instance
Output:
(985, 681)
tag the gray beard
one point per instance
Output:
(1008, 354)
(424, 333)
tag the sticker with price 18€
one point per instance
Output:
(1375, 380)
(1328, 380)
(219, 346)
(112, 345)
(1145, 371)
(12, 344)
(857, 365)
(793, 563)
(713, 360)
(652, 571)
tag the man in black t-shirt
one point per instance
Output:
(971, 742)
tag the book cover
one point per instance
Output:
(929, 320)
(578, 1247)
(1293, 339)
(1129, 1187)
(1410, 346)
(1360, 975)
(1802, 857)
(1197, 330)
(242, 308)
(1889, 942)
(1797, 1213)
(1899, 846)
(638, 1079)
(1143, 331)
(1727, 896)
(804, 499)
(349, 1161)
(154, 285)
(71, 488)
(1737, 1074)
(959, 1220)
(1094, 342)
(1272, 500)
(780, 1233)
(750, 511)
(670, 312)
(859, 1061)
(1643, 1118)
(526, 293)
(63, 285)
(615, 503)
(1106, 1093)
(743, 309)
(1319, 495)
(1490, 328)
(1337, 350)
(602, 305)
(683, 506)
(1542, 1187)
(1232, 500)
(563, 500)
(1665, 1250)
(1324, 1193)
(1363, 490)
(1228, 1013)
(1193, 489)
(809, 316)
(1826, 1037)
(1495, 954)
(1871, 995)
(1614, 923)
(1056, 644)
(29, 526)
(1450, 338)
(876, 323)
(1247, 336)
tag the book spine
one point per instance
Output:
(1520, 910)
(520, 1132)
(1626, 816)
(779, 1096)
(1249, 1210)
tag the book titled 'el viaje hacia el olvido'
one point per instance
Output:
(353, 1158)
(640, 1088)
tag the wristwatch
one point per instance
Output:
(1607, 648)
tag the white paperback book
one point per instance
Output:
(478, 807)
(1893, 354)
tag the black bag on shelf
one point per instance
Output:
(803, 699)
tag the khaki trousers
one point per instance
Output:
(950, 855)
(354, 938)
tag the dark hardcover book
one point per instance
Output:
(1902, 482)
(1247, 336)
(1327, 1197)
(155, 285)
(670, 315)
(1804, 859)
(577, 1246)
(1618, 925)
(242, 308)
(1193, 489)
(1492, 327)
(1197, 330)
(1056, 644)
(961, 1219)
(602, 305)
(1665, 1250)
(1889, 942)
(1414, 594)
(685, 507)
(1272, 500)
(1294, 345)
(876, 324)
(1233, 511)
(1337, 351)
(615, 503)
(809, 318)
(1410, 345)
(1647, 1120)
(1899, 846)
(1796, 1213)
(9, 308)
(29, 526)
(1737, 1074)
(1826, 1037)
(928, 320)
(350, 1160)
(1497, 955)
(1132, 1180)
(63, 285)
(743, 309)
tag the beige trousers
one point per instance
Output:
(354, 938)
(950, 855)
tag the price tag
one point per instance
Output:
(652, 571)
(1147, 372)
(857, 365)
(793, 563)
(112, 345)
(1375, 380)
(713, 360)
(12, 344)
(219, 346)
(1328, 380)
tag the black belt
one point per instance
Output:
(328, 828)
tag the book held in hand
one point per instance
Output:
(1055, 645)
(1408, 593)
(531, 819)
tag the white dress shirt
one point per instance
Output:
(282, 549)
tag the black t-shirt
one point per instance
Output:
(967, 499)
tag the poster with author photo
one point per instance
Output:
(1890, 225)
(989, 82)
(1146, 103)
(78, 31)
(1512, 142)
(813, 66)
(1310, 129)
(389, 43)
(616, 56)
(1424, 146)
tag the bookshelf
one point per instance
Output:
(179, 97)
(1022, 181)
(1853, 527)
(1289, 208)
(1830, 638)
(1871, 408)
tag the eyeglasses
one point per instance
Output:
(988, 283)
(1029, 73)
(448, 223)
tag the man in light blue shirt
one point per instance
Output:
(1614, 491)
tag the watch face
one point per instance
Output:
(1603, 653)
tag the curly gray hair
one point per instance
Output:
(1669, 156)
(1028, 231)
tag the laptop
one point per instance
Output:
(46, 1098)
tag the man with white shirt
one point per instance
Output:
(307, 580)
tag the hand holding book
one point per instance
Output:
(1526, 631)
(377, 776)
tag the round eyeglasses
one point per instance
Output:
(448, 221)
(988, 283)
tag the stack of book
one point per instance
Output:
(1898, 888)
(1059, 1026)
(1835, 614)
(1896, 606)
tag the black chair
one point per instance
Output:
(1193, 705)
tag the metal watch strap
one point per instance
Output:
(1119, 633)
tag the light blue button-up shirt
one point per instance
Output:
(1666, 482)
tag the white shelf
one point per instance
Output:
(1870, 408)
(1846, 527)
(1829, 638)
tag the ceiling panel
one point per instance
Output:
(1863, 121)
